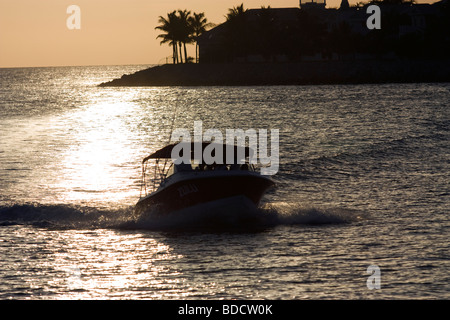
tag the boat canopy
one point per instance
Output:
(166, 152)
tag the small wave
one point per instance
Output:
(62, 216)
(367, 158)
(67, 216)
(284, 213)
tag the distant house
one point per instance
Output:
(211, 43)
(313, 4)
(314, 32)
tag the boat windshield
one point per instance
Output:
(208, 167)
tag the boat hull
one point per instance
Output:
(191, 192)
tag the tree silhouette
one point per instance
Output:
(180, 28)
(236, 13)
(199, 24)
(184, 31)
(169, 27)
(236, 37)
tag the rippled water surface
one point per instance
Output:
(363, 181)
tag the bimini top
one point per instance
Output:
(166, 152)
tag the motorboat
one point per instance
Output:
(188, 188)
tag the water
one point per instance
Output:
(363, 180)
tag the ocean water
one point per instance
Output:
(360, 211)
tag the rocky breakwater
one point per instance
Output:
(301, 73)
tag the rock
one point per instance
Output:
(301, 73)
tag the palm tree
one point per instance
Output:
(184, 31)
(169, 26)
(198, 24)
(237, 32)
(181, 28)
(177, 32)
(236, 12)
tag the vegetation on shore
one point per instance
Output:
(180, 28)
(308, 34)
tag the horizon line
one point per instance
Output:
(86, 65)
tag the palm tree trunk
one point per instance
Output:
(185, 53)
(174, 52)
(196, 52)
(175, 48)
(181, 53)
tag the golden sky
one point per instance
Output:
(113, 32)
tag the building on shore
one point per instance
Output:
(314, 32)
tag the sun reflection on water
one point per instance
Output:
(106, 264)
(102, 157)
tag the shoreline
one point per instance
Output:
(299, 73)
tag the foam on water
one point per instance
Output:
(291, 213)
(64, 216)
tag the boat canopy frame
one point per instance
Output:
(165, 154)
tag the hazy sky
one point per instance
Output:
(35, 32)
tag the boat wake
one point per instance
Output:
(291, 213)
(65, 216)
